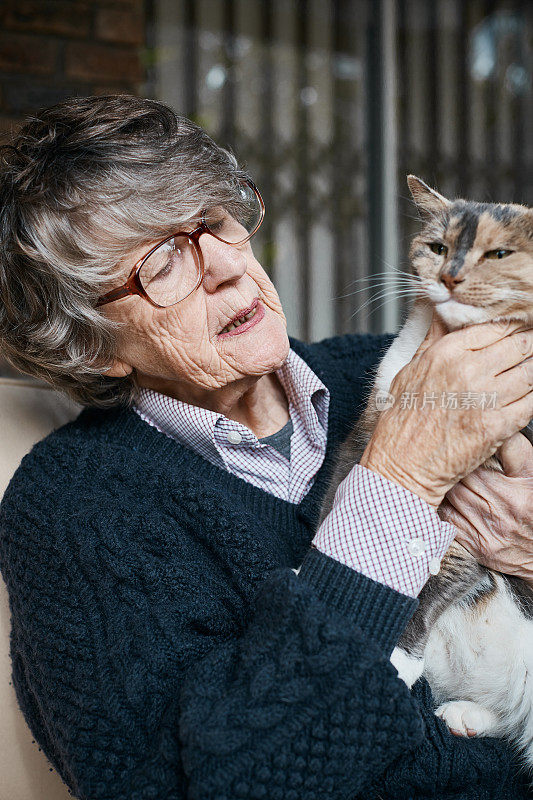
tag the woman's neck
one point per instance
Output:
(258, 403)
(264, 408)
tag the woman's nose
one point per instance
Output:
(223, 262)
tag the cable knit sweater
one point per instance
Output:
(163, 648)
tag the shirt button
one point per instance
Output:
(234, 437)
(417, 546)
(434, 566)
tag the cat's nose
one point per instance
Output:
(450, 281)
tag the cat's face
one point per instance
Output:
(475, 260)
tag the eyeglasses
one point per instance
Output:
(174, 268)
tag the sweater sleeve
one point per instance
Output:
(140, 688)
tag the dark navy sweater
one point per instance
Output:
(163, 649)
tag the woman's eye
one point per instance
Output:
(215, 218)
(501, 253)
(215, 225)
(162, 273)
(164, 266)
(438, 248)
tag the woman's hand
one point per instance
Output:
(429, 448)
(493, 511)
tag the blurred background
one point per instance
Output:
(328, 103)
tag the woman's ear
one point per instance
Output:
(117, 369)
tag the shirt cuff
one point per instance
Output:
(384, 531)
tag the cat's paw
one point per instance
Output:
(465, 718)
(409, 668)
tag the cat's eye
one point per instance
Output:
(501, 253)
(438, 248)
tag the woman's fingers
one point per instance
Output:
(517, 415)
(516, 456)
(485, 335)
(466, 531)
(476, 515)
(503, 345)
(514, 383)
(469, 494)
(492, 512)
(509, 351)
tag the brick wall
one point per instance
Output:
(54, 49)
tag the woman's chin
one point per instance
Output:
(264, 346)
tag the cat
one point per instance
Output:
(471, 636)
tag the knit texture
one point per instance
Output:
(163, 648)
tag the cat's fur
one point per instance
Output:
(472, 634)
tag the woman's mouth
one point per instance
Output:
(247, 319)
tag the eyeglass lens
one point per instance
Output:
(238, 220)
(172, 271)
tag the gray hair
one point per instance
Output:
(82, 184)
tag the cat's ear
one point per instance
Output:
(428, 201)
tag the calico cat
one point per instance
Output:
(472, 634)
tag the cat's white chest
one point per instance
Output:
(405, 345)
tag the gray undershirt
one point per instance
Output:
(281, 440)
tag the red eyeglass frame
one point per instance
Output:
(133, 285)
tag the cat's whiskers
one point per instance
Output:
(391, 283)
(391, 290)
(375, 308)
(392, 273)
(385, 278)
(374, 279)
(375, 290)
(512, 294)
(388, 281)
(366, 289)
(517, 294)
(387, 295)
(500, 293)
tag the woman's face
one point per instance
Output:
(183, 348)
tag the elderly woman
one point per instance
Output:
(174, 633)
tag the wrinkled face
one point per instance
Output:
(475, 260)
(186, 344)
